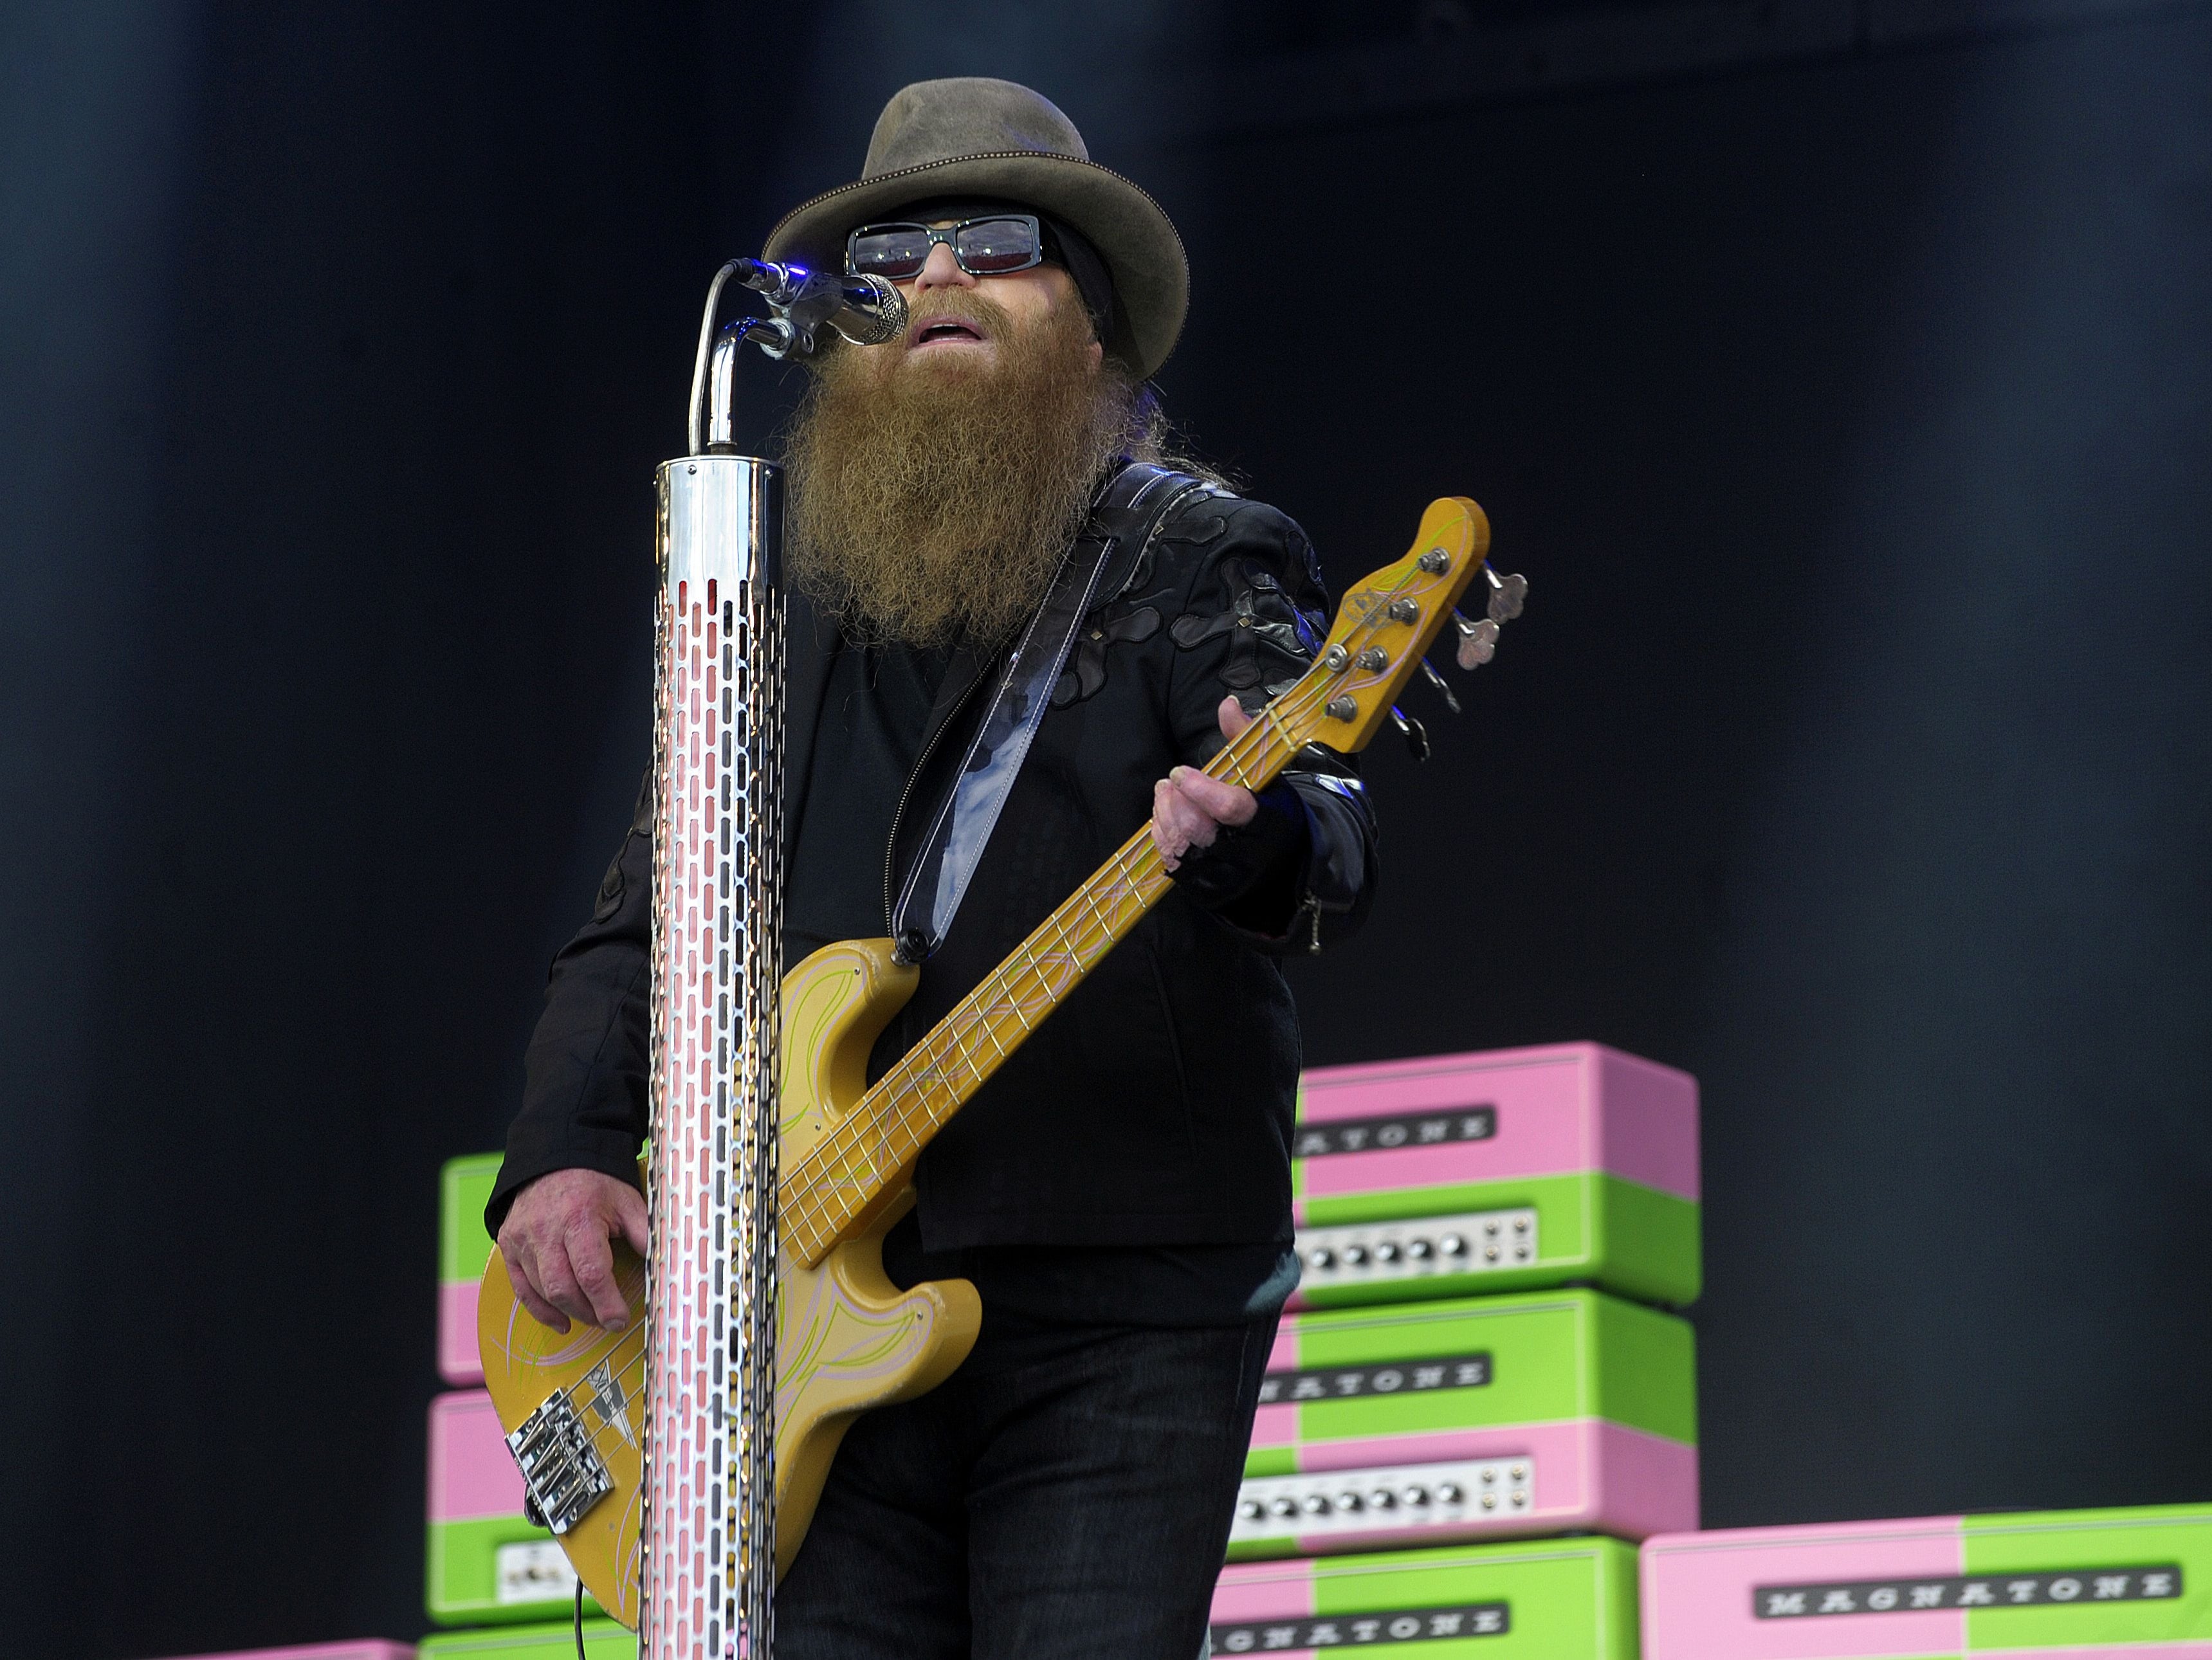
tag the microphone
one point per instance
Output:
(866, 310)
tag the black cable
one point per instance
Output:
(580, 1622)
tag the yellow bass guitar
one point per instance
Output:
(847, 1340)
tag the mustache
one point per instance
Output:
(986, 316)
(958, 306)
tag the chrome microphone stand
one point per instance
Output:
(708, 1567)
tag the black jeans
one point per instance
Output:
(1067, 1494)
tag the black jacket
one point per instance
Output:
(1154, 1106)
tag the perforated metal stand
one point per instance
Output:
(709, 1558)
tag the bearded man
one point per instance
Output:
(1119, 1191)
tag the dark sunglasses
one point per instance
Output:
(993, 246)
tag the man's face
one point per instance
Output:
(935, 480)
(939, 329)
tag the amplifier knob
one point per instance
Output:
(1520, 1253)
(1251, 1510)
(1520, 1225)
(1519, 1472)
(1317, 1504)
(1350, 1502)
(1490, 1501)
(1490, 1229)
(1385, 1251)
(1285, 1507)
(1450, 1492)
(1419, 1250)
(1490, 1253)
(1417, 1494)
(1488, 1477)
(1452, 1245)
(1384, 1498)
(1321, 1256)
(1354, 1255)
(1520, 1500)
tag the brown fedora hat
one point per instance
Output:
(975, 137)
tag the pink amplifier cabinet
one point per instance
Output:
(368, 1651)
(1546, 1599)
(464, 1189)
(1487, 1417)
(2052, 1586)
(1506, 1171)
(486, 1562)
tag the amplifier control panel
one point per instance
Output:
(1469, 1242)
(1388, 1500)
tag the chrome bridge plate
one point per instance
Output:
(562, 1469)
(1323, 1502)
(1364, 1253)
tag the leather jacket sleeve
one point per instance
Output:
(1302, 874)
(584, 1075)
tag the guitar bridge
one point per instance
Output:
(562, 1469)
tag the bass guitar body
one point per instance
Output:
(846, 1339)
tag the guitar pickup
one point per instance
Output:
(561, 1468)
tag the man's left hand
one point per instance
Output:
(1190, 808)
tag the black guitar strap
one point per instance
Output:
(1096, 567)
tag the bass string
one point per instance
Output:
(628, 1379)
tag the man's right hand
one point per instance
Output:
(555, 1243)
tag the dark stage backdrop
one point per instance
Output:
(1848, 417)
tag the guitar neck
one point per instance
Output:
(848, 1174)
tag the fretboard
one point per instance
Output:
(840, 1181)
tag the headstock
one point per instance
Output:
(1389, 620)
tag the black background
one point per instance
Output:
(1848, 414)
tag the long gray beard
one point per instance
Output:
(932, 500)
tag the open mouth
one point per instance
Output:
(946, 329)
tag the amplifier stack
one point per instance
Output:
(1479, 1401)
(487, 1563)
(1473, 1358)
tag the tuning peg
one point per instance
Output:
(1478, 641)
(1416, 735)
(1507, 595)
(1442, 686)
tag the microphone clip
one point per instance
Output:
(867, 311)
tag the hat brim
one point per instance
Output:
(1132, 233)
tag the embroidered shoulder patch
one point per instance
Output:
(1086, 670)
(1269, 635)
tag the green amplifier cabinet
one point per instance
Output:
(1550, 1599)
(464, 1187)
(603, 1640)
(1456, 1175)
(2084, 1585)
(1416, 1424)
